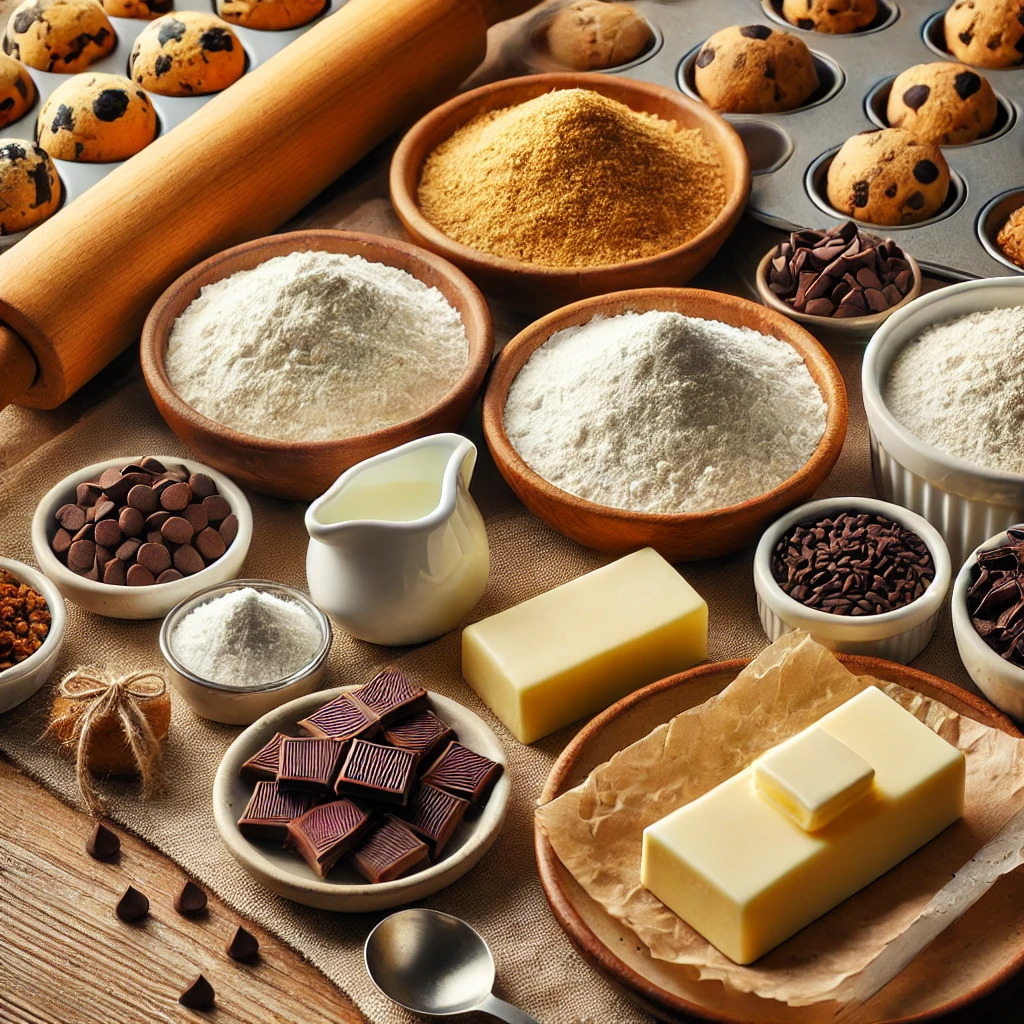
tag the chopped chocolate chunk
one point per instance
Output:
(376, 772)
(309, 765)
(390, 695)
(269, 810)
(342, 719)
(434, 814)
(110, 104)
(861, 190)
(242, 945)
(323, 834)
(199, 995)
(103, 844)
(463, 772)
(132, 906)
(421, 733)
(925, 171)
(967, 83)
(916, 95)
(390, 849)
(266, 761)
(191, 901)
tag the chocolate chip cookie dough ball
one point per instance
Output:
(59, 35)
(17, 92)
(945, 103)
(272, 15)
(834, 16)
(590, 35)
(1011, 237)
(96, 118)
(888, 177)
(752, 69)
(186, 54)
(142, 10)
(986, 33)
(29, 187)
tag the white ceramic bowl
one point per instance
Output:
(17, 684)
(233, 705)
(150, 602)
(899, 635)
(1001, 682)
(284, 872)
(964, 502)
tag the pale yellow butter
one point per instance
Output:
(812, 778)
(747, 877)
(580, 647)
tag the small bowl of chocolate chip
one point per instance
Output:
(861, 576)
(841, 282)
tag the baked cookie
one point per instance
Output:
(143, 10)
(96, 118)
(888, 177)
(17, 92)
(186, 54)
(272, 15)
(834, 16)
(1011, 237)
(29, 187)
(986, 33)
(752, 69)
(589, 35)
(59, 35)
(945, 103)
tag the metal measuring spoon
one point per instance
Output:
(436, 965)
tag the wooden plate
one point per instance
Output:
(950, 981)
(536, 289)
(287, 874)
(304, 470)
(677, 537)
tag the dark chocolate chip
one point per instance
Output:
(63, 119)
(169, 576)
(191, 900)
(170, 29)
(755, 31)
(967, 83)
(144, 498)
(115, 574)
(176, 497)
(242, 945)
(110, 104)
(217, 40)
(102, 844)
(217, 507)
(132, 906)
(925, 171)
(915, 96)
(155, 557)
(229, 528)
(71, 517)
(131, 521)
(202, 486)
(891, 191)
(188, 561)
(916, 201)
(81, 556)
(706, 56)
(860, 193)
(177, 530)
(139, 576)
(162, 64)
(804, 23)
(199, 995)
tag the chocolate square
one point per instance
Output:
(463, 772)
(264, 763)
(422, 733)
(376, 772)
(342, 719)
(434, 814)
(268, 812)
(391, 695)
(324, 833)
(310, 765)
(388, 850)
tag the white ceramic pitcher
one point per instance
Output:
(398, 551)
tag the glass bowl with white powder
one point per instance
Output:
(238, 650)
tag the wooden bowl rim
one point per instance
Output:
(476, 321)
(593, 949)
(517, 352)
(844, 325)
(719, 133)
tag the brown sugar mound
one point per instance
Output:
(572, 179)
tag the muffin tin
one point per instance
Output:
(790, 152)
(75, 178)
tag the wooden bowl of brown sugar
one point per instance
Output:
(305, 469)
(678, 537)
(534, 286)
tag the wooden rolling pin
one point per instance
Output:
(76, 290)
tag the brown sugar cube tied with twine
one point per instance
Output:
(995, 600)
(325, 833)
(853, 563)
(144, 524)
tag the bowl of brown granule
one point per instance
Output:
(556, 187)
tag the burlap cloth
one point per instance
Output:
(537, 967)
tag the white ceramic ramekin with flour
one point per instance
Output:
(898, 635)
(965, 502)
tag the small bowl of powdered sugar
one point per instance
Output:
(237, 650)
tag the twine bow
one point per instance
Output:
(108, 697)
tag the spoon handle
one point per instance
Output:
(501, 1010)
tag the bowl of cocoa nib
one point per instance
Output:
(988, 619)
(861, 576)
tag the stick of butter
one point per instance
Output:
(748, 874)
(582, 646)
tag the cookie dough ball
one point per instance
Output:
(1011, 237)
(945, 103)
(272, 15)
(143, 10)
(834, 16)
(986, 33)
(888, 177)
(96, 118)
(29, 187)
(17, 92)
(186, 54)
(589, 35)
(752, 69)
(59, 35)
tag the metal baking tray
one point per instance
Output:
(75, 178)
(790, 152)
